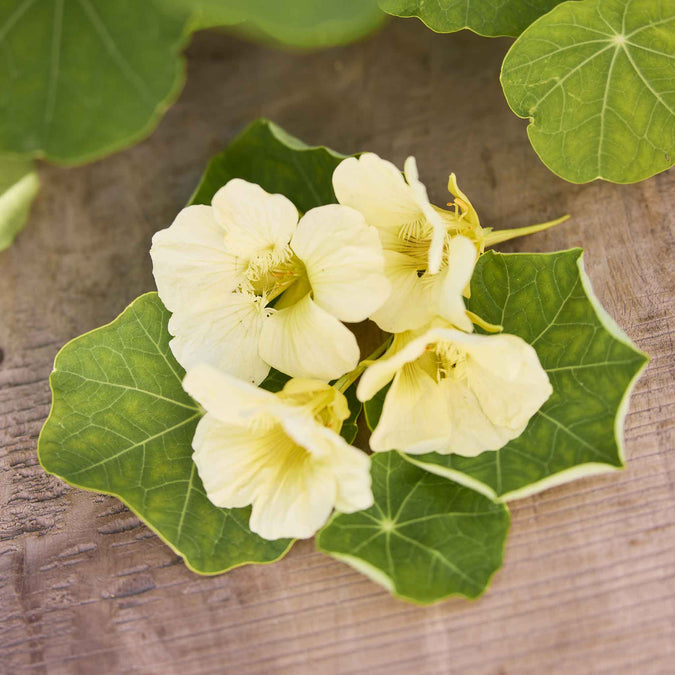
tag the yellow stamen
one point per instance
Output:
(489, 327)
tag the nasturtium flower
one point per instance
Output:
(280, 452)
(429, 252)
(251, 285)
(454, 392)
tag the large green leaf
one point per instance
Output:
(265, 154)
(595, 78)
(122, 424)
(494, 18)
(83, 78)
(18, 186)
(547, 300)
(307, 24)
(425, 538)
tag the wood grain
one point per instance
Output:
(588, 583)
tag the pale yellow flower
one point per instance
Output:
(280, 452)
(429, 252)
(426, 250)
(250, 287)
(454, 392)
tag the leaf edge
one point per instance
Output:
(151, 527)
(383, 580)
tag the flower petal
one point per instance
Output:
(414, 416)
(462, 257)
(508, 380)
(190, 261)
(227, 459)
(344, 261)
(304, 340)
(221, 330)
(254, 220)
(405, 349)
(472, 431)
(432, 216)
(227, 398)
(349, 466)
(470, 216)
(409, 304)
(296, 504)
(376, 189)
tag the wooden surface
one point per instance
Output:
(588, 581)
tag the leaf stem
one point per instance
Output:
(348, 379)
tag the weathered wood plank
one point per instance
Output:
(588, 580)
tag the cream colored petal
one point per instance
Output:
(300, 391)
(410, 302)
(501, 387)
(508, 380)
(227, 398)
(296, 504)
(432, 216)
(470, 215)
(228, 461)
(223, 332)
(414, 416)
(190, 261)
(406, 348)
(352, 471)
(304, 340)
(349, 466)
(461, 262)
(254, 220)
(344, 261)
(471, 430)
(376, 189)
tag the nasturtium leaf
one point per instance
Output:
(265, 154)
(491, 19)
(83, 78)
(308, 24)
(19, 184)
(595, 78)
(350, 426)
(121, 424)
(425, 538)
(547, 300)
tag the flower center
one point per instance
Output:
(415, 239)
(319, 404)
(450, 360)
(271, 271)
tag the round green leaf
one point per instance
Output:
(425, 538)
(83, 78)
(547, 300)
(121, 424)
(491, 19)
(265, 154)
(595, 78)
(308, 24)
(19, 184)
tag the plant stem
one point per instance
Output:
(349, 378)
(498, 236)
